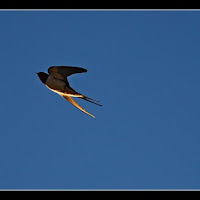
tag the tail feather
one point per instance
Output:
(91, 99)
(87, 99)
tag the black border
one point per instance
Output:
(101, 193)
(100, 5)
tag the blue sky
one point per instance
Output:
(143, 66)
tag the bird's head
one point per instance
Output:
(42, 76)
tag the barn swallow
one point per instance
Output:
(57, 82)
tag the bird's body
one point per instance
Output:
(57, 82)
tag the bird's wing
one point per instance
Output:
(70, 100)
(66, 70)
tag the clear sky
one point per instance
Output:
(143, 66)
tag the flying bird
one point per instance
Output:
(57, 82)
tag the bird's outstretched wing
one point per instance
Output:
(70, 100)
(66, 70)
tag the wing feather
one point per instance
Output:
(66, 70)
(70, 100)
